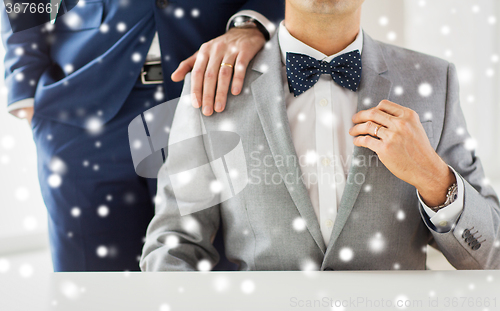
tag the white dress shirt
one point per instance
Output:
(320, 119)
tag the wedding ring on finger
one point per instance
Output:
(226, 64)
(376, 131)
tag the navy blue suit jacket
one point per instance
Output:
(103, 70)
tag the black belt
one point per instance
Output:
(151, 72)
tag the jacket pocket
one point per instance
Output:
(83, 16)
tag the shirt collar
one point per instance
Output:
(290, 44)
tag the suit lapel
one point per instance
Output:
(373, 88)
(268, 94)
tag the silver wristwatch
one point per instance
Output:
(451, 196)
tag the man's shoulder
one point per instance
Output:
(402, 58)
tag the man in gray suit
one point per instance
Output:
(350, 154)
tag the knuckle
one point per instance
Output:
(198, 72)
(225, 73)
(210, 75)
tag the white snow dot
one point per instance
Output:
(377, 243)
(495, 58)
(383, 20)
(30, 223)
(301, 117)
(216, 186)
(247, 286)
(179, 12)
(401, 302)
(164, 307)
(195, 13)
(54, 180)
(299, 224)
(73, 20)
(427, 116)
(470, 144)
(346, 254)
(148, 116)
(98, 144)
(489, 278)
(425, 89)
(476, 9)
(5, 159)
(68, 68)
(26, 270)
(4, 265)
(137, 144)
(22, 194)
(471, 99)
(221, 283)
(109, 198)
(70, 290)
(445, 30)
(172, 241)
(367, 101)
(497, 243)
(102, 251)
(204, 265)
(400, 215)
(19, 51)
(460, 131)
(492, 20)
(391, 36)
(396, 266)
(159, 95)
(472, 286)
(94, 125)
(422, 3)
(76, 212)
(136, 57)
(104, 28)
(490, 72)
(103, 211)
(57, 165)
(398, 90)
(19, 77)
(121, 27)
(448, 53)
(367, 188)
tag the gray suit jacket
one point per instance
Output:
(258, 222)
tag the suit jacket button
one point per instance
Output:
(161, 3)
(476, 246)
(466, 233)
(469, 239)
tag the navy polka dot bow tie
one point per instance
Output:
(304, 71)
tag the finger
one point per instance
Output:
(184, 67)
(239, 72)
(374, 115)
(197, 78)
(368, 128)
(368, 142)
(391, 108)
(210, 82)
(225, 73)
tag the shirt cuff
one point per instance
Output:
(446, 218)
(24, 103)
(258, 17)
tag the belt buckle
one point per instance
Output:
(144, 73)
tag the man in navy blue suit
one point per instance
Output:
(81, 80)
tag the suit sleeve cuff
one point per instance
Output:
(258, 17)
(24, 103)
(446, 218)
